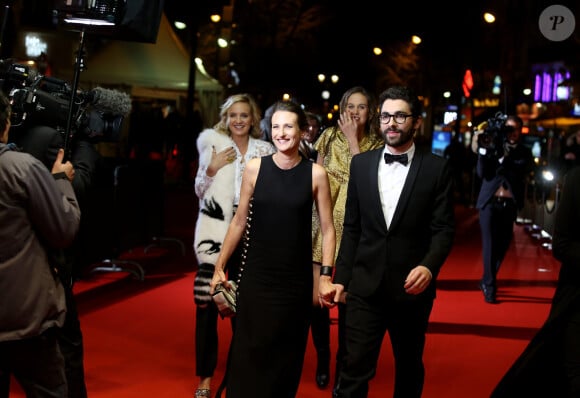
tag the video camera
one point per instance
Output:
(491, 141)
(45, 101)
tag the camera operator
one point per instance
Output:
(39, 214)
(41, 106)
(503, 164)
(43, 143)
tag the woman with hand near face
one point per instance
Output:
(356, 132)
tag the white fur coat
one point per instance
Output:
(215, 212)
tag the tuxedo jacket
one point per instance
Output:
(372, 256)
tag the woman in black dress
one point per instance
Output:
(275, 290)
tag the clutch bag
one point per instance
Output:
(225, 299)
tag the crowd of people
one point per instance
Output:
(302, 195)
(301, 216)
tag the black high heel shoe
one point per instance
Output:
(322, 373)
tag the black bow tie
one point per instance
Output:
(389, 158)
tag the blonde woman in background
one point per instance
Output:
(224, 152)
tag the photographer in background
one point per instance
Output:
(503, 164)
(40, 213)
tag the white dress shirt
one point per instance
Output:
(391, 180)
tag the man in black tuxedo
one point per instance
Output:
(398, 231)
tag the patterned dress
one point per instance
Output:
(333, 146)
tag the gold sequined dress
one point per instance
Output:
(333, 146)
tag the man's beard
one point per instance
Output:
(402, 139)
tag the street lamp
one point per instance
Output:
(326, 88)
(488, 17)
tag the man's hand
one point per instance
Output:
(418, 279)
(60, 167)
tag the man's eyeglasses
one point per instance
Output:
(400, 118)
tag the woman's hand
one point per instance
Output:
(219, 276)
(326, 292)
(220, 159)
(348, 126)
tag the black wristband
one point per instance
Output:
(61, 175)
(326, 270)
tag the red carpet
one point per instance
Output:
(139, 335)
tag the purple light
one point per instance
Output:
(546, 87)
(537, 88)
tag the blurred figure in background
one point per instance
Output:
(571, 150)
(503, 169)
(310, 136)
(456, 154)
(266, 124)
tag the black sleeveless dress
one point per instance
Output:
(275, 292)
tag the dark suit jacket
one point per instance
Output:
(421, 233)
(512, 172)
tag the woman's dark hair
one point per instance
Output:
(291, 106)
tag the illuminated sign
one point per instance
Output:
(486, 102)
(34, 46)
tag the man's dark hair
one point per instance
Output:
(402, 93)
(516, 119)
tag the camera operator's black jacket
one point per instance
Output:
(512, 172)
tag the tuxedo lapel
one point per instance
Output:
(373, 170)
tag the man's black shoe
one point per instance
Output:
(336, 387)
(322, 379)
(488, 293)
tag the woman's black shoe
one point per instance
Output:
(322, 374)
